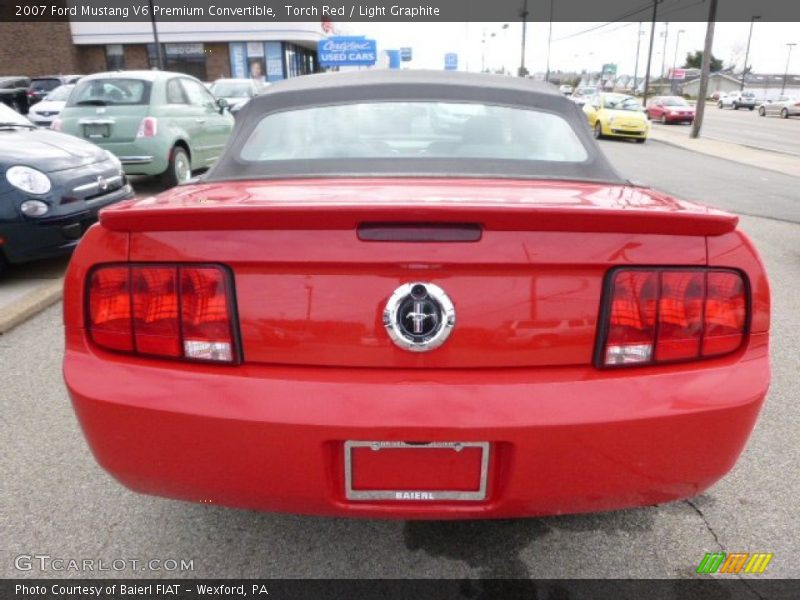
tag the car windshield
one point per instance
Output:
(616, 102)
(111, 91)
(232, 89)
(9, 116)
(413, 129)
(585, 91)
(60, 94)
(44, 85)
(748, 95)
(675, 101)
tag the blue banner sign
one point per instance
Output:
(347, 51)
(451, 61)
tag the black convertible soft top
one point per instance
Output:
(410, 85)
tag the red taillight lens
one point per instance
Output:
(176, 311)
(205, 314)
(664, 315)
(156, 322)
(110, 308)
(148, 128)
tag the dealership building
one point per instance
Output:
(262, 50)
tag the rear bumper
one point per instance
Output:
(562, 440)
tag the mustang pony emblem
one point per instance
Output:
(419, 316)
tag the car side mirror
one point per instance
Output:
(222, 104)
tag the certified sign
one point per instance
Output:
(677, 74)
(347, 51)
(406, 53)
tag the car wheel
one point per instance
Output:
(179, 170)
(641, 140)
(719, 104)
(751, 107)
(598, 131)
(785, 113)
(761, 111)
(663, 119)
(735, 106)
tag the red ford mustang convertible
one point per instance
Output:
(416, 295)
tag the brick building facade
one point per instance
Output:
(48, 48)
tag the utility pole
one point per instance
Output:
(747, 52)
(786, 72)
(704, 71)
(650, 52)
(159, 51)
(524, 14)
(549, 40)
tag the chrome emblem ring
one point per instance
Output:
(419, 317)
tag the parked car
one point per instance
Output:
(41, 86)
(670, 109)
(581, 94)
(616, 115)
(43, 113)
(782, 106)
(156, 122)
(341, 319)
(237, 92)
(566, 90)
(737, 100)
(14, 93)
(51, 187)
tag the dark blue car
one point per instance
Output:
(52, 186)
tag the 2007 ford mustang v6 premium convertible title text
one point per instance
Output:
(416, 295)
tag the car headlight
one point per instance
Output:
(113, 158)
(34, 208)
(31, 181)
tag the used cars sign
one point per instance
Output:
(347, 51)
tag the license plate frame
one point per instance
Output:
(416, 495)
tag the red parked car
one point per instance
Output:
(359, 313)
(670, 109)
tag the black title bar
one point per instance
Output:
(394, 10)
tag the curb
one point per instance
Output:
(30, 305)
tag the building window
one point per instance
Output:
(270, 61)
(115, 57)
(182, 58)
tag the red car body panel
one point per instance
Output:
(318, 369)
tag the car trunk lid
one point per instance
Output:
(311, 287)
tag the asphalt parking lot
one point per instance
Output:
(56, 501)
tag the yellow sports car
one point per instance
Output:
(617, 115)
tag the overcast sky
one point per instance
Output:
(571, 49)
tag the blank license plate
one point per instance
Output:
(96, 130)
(403, 471)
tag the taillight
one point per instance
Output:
(56, 124)
(174, 311)
(671, 314)
(147, 128)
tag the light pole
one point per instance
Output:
(747, 52)
(524, 14)
(786, 72)
(549, 40)
(677, 45)
(636, 67)
(674, 82)
(159, 52)
(664, 52)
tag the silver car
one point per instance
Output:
(783, 106)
